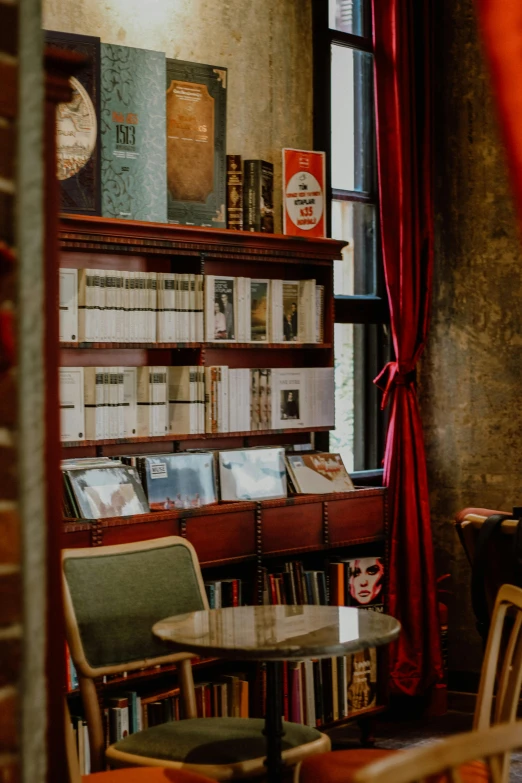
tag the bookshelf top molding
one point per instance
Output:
(83, 232)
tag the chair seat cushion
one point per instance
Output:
(145, 775)
(341, 765)
(211, 740)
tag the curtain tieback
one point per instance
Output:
(389, 377)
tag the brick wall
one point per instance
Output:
(10, 581)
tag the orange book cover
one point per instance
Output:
(304, 201)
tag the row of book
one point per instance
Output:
(100, 487)
(353, 581)
(101, 305)
(99, 403)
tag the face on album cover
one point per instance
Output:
(224, 326)
(366, 581)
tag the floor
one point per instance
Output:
(409, 733)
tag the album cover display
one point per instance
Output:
(252, 474)
(102, 492)
(177, 481)
(318, 473)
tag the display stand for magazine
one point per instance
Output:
(244, 538)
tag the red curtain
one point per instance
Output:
(403, 84)
(501, 26)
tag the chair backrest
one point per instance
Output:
(445, 759)
(114, 594)
(501, 564)
(502, 666)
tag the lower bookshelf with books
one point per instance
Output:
(331, 549)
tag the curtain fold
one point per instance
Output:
(403, 86)
(500, 22)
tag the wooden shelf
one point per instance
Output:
(247, 530)
(97, 234)
(201, 436)
(200, 346)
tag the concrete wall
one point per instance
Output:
(267, 47)
(472, 371)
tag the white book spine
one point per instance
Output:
(130, 393)
(72, 411)
(68, 305)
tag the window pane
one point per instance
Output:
(355, 222)
(342, 438)
(350, 16)
(352, 119)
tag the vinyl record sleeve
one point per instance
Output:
(107, 492)
(319, 473)
(179, 481)
(252, 474)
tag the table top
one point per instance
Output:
(264, 633)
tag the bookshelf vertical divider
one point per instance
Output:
(225, 534)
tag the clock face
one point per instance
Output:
(76, 130)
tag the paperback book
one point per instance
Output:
(364, 587)
(252, 474)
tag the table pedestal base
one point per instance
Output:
(273, 730)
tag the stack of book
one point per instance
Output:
(99, 487)
(102, 305)
(320, 692)
(294, 585)
(99, 403)
(241, 309)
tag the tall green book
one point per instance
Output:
(134, 169)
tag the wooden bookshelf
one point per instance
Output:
(245, 535)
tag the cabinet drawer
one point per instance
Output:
(222, 536)
(356, 519)
(293, 527)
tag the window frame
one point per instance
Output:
(369, 313)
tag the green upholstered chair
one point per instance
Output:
(113, 595)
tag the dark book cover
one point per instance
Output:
(326, 668)
(258, 196)
(78, 128)
(196, 143)
(234, 193)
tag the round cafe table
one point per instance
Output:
(274, 634)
